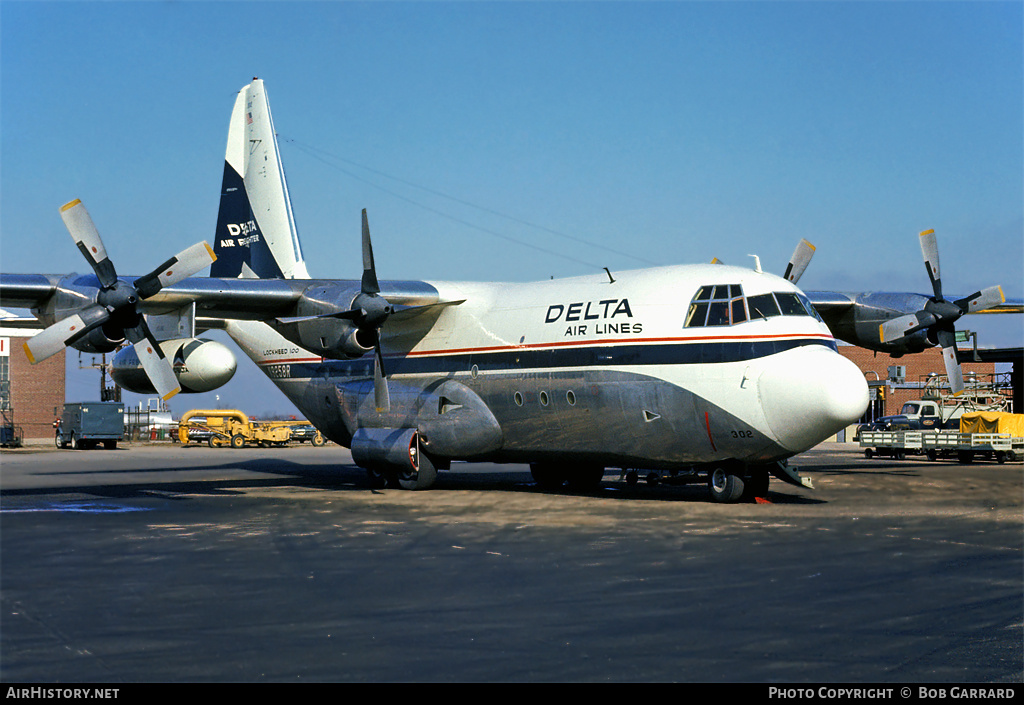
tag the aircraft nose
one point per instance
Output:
(810, 393)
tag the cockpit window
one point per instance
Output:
(810, 307)
(763, 306)
(724, 305)
(718, 305)
(790, 305)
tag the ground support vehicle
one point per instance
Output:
(83, 425)
(965, 447)
(222, 427)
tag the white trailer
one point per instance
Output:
(965, 447)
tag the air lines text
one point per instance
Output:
(602, 312)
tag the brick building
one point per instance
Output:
(31, 396)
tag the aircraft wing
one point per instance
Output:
(248, 299)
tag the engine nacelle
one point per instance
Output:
(331, 337)
(398, 450)
(860, 325)
(200, 366)
(317, 331)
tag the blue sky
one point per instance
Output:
(583, 134)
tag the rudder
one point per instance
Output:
(256, 235)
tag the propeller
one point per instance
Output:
(118, 304)
(939, 314)
(369, 312)
(797, 262)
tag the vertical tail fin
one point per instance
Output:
(256, 235)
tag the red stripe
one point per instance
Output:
(707, 422)
(613, 341)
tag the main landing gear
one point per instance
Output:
(732, 484)
(728, 482)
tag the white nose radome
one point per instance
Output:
(810, 393)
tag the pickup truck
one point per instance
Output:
(920, 415)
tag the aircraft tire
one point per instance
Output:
(421, 480)
(725, 486)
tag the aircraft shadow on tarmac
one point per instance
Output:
(351, 478)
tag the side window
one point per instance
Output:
(697, 315)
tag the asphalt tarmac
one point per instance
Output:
(156, 563)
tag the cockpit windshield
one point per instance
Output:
(725, 304)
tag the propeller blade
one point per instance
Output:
(930, 252)
(64, 332)
(982, 300)
(156, 365)
(896, 328)
(181, 266)
(83, 231)
(798, 262)
(381, 397)
(953, 372)
(369, 283)
(946, 338)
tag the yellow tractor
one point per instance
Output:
(221, 427)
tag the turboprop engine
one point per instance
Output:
(200, 365)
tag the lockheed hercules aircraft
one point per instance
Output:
(718, 372)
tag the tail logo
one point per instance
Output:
(241, 234)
